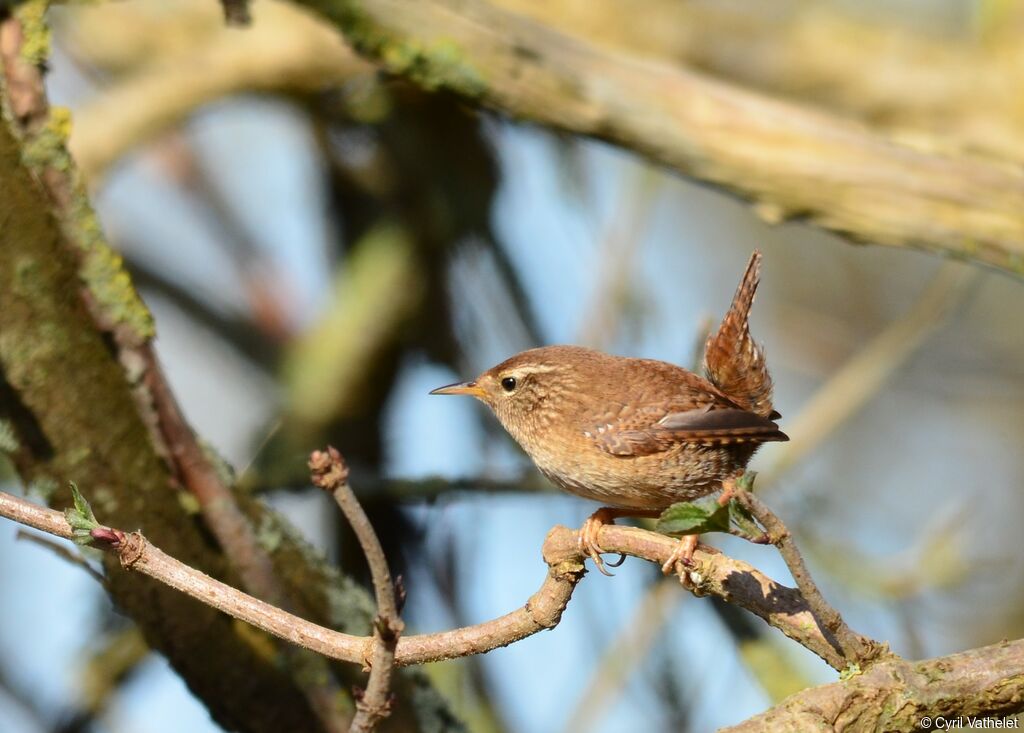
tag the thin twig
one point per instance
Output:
(330, 473)
(62, 552)
(854, 648)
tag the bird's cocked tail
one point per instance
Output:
(733, 362)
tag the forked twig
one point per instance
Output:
(855, 649)
(330, 473)
(63, 552)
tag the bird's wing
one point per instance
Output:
(649, 430)
(733, 362)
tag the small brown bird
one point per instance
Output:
(637, 434)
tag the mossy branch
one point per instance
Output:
(790, 161)
(93, 342)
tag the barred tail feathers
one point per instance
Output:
(733, 362)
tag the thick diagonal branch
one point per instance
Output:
(790, 160)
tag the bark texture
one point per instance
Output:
(789, 160)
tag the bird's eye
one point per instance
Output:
(508, 384)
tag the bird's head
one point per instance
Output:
(523, 389)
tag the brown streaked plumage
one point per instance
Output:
(637, 434)
(733, 362)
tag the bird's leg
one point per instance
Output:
(592, 528)
(681, 555)
(683, 552)
(728, 490)
(588, 537)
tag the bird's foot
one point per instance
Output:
(728, 491)
(682, 556)
(747, 527)
(589, 533)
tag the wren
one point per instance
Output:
(637, 435)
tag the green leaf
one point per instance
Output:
(81, 505)
(694, 517)
(746, 481)
(80, 516)
(81, 537)
(77, 521)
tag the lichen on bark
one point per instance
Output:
(69, 413)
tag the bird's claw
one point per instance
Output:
(681, 557)
(589, 545)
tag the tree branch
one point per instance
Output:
(713, 574)
(282, 50)
(542, 611)
(52, 347)
(73, 324)
(331, 474)
(895, 695)
(234, 532)
(982, 682)
(790, 160)
(855, 649)
(169, 432)
(948, 88)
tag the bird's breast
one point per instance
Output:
(683, 473)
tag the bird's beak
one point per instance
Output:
(469, 388)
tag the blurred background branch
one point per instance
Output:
(827, 170)
(925, 87)
(863, 376)
(172, 75)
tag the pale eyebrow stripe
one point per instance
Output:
(538, 369)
